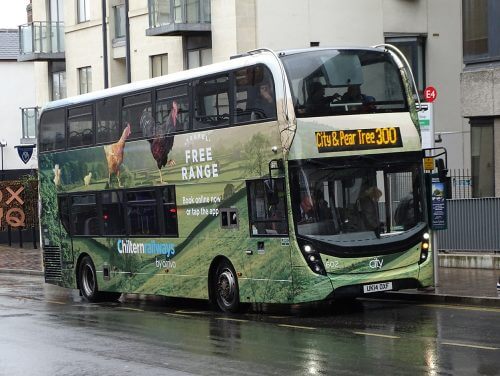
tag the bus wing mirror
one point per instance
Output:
(442, 170)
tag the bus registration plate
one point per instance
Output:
(376, 287)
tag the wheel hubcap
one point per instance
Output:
(226, 287)
(88, 280)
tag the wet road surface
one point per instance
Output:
(46, 330)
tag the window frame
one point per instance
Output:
(118, 12)
(153, 93)
(88, 81)
(417, 44)
(63, 128)
(71, 117)
(159, 205)
(152, 59)
(493, 44)
(85, 16)
(252, 220)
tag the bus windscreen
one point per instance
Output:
(339, 82)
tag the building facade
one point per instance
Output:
(140, 39)
(480, 87)
(17, 128)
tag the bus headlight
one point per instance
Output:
(313, 259)
(424, 247)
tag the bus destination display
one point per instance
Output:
(358, 139)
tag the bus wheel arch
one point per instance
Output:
(223, 288)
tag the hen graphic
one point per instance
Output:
(114, 155)
(160, 138)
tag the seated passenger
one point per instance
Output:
(265, 104)
(368, 207)
(317, 103)
(354, 95)
(405, 212)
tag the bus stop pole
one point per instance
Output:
(435, 258)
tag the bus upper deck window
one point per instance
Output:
(255, 94)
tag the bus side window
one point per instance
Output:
(255, 96)
(164, 104)
(112, 213)
(142, 213)
(52, 131)
(170, 211)
(108, 127)
(211, 103)
(267, 209)
(133, 110)
(80, 128)
(64, 212)
(84, 219)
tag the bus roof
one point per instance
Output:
(249, 58)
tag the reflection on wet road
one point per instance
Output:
(45, 330)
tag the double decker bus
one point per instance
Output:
(270, 178)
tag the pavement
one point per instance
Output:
(455, 285)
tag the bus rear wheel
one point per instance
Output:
(88, 283)
(88, 280)
(227, 297)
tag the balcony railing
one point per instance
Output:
(179, 17)
(30, 122)
(41, 41)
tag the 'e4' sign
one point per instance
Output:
(13, 216)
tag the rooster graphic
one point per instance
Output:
(160, 137)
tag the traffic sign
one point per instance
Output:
(430, 94)
(429, 163)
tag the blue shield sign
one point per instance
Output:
(25, 152)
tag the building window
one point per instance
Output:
(198, 58)
(481, 30)
(159, 12)
(85, 79)
(83, 10)
(482, 157)
(119, 12)
(199, 51)
(159, 65)
(58, 85)
(413, 48)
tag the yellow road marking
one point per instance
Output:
(376, 335)
(55, 302)
(193, 312)
(230, 319)
(469, 345)
(297, 327)
(175, 314)
(131, 309)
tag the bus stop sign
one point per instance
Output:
(438, 216)
(430, 94)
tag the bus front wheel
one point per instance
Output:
(225, 287)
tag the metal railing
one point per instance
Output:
(41, 37)
(461, 183)
(30, 121)
(164, 12)
(473, 226)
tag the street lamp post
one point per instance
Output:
(3, 143)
